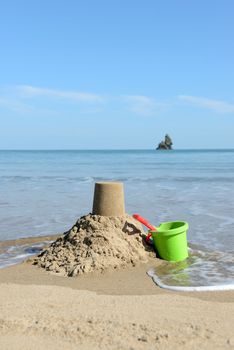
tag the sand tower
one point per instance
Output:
(108, 199)
(107, 238)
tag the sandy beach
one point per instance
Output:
(117, 175)
(120, 309)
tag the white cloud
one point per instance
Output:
(142, 105)
(17, 98)
(15, 106)
(214, 105)
(27, 91)
(27, 98)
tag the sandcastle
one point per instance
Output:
(107, 238)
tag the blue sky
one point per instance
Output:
(116, 74)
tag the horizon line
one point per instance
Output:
(113, 149)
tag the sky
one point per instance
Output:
(116, 74)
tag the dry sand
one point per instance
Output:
(120, 309)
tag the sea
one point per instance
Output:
(45, 192)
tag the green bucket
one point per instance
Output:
(170, 240)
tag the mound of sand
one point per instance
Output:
(96, 243)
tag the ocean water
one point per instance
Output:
(44, 192)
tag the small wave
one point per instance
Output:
(16, 178)
(202, 268)
(47, 178)
(147, 179)
(12, 255)
(163, 179)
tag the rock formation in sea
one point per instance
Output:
(166, 144)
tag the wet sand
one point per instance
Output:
(27, 240)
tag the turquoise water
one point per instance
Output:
(43, 192)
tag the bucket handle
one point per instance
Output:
(147, 224)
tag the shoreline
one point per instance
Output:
(23, 272)
(122, 282)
